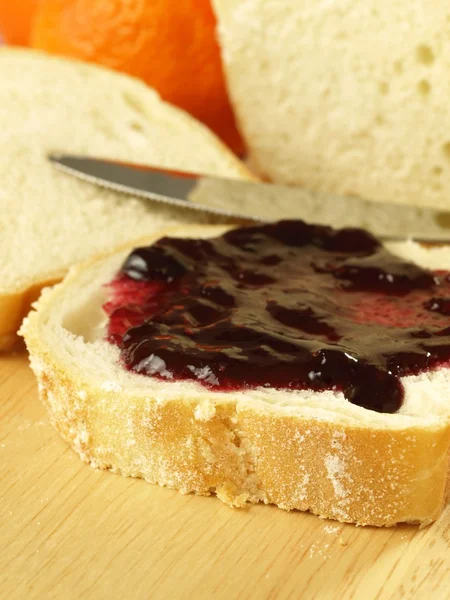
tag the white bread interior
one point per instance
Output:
(49, 220)
(349, 97)
(297, 449)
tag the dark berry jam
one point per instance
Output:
(286, 305)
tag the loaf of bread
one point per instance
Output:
(48, 220)
(349, 97)
(298, 449)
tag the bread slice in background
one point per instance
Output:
(297, 449)
(49, 220)
(349, 97)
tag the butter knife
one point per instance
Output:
(257, 201)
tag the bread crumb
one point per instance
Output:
(316, 550)
(205, 411)
(342, 542)
(37, 366)
(332, 529)
(111, 386)
(204, 374)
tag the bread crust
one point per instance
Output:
(245, 452)
(246, 455)
(14, 307)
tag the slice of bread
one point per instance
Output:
(48, 220)
(297, 449)
(349, 97)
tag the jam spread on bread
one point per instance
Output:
(287, 305)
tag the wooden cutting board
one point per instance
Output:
(68, 531)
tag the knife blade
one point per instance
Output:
(257, 201)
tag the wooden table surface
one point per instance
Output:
(68, 531)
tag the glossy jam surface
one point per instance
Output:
(286, 305)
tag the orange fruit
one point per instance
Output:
(16, 18)
(170, 44)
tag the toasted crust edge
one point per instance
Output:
(248, 456)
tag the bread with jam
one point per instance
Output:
(288, 364)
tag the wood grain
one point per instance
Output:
(68, 531)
